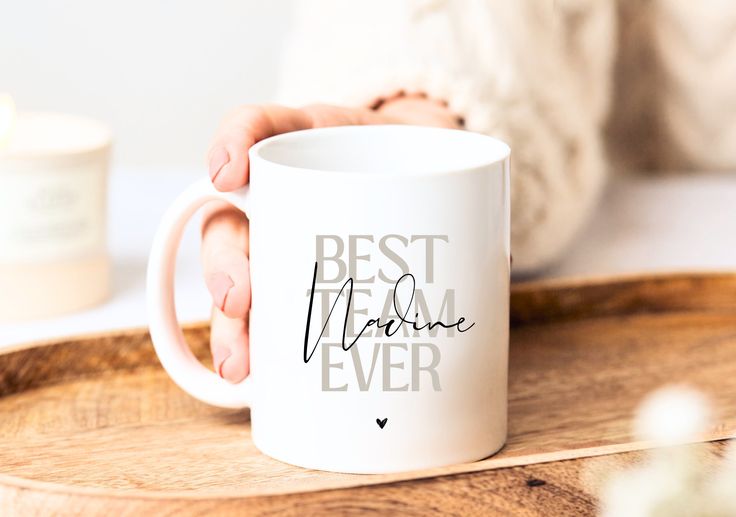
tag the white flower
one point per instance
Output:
(675, 480)
(672, 415)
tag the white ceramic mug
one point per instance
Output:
(379, 261)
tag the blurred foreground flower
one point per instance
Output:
(676, 479)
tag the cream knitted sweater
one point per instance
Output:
(539, 75)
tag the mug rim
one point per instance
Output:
(499, 151)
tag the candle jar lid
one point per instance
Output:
(41, 136)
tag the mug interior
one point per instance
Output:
(382, 149)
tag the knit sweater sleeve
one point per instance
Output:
(533, 73)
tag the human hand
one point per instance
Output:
(225, 229)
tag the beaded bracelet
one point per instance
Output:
(378, 102)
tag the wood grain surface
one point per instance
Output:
(92, 425)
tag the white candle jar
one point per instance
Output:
(53, 190)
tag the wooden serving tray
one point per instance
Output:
(92, 425)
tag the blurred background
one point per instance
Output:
(161, 75)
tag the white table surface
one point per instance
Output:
(644, 223)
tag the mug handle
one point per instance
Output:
(168, 340)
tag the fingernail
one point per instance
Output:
(219, 158)
(220, 285)
(220, 354)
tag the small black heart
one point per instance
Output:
(381, 423)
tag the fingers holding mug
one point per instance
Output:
(226, 271)
(228, 155)
(229, 344)
(225, 258)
